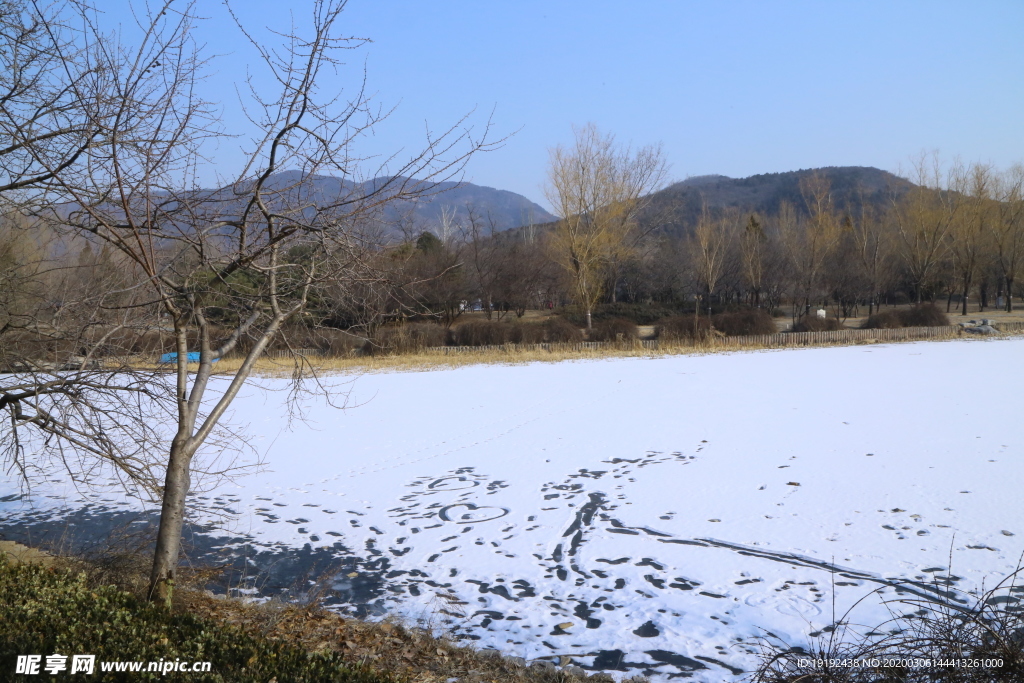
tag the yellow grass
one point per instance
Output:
(434, 360)
(510, 355)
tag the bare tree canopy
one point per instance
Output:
(106, 142)
(598, 188)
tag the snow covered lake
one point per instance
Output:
(642, 515)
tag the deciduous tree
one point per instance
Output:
(597, 188)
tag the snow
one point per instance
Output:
(655, 514)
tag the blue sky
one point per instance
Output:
(735, 88)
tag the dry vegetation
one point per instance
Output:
(387, 647)
(924, 642)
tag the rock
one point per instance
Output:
(542, 664)
(519, 661)
(602, 678)
(574, 671)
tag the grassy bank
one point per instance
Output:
(51, 605)
(56, 611)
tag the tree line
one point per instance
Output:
(952, 235)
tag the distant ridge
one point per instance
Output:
(679, 205)
(504, 209)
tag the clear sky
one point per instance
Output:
(728, 87)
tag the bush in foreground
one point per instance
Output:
(52, 611)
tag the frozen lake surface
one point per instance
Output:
(642, 515)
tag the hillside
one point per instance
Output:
(679, 205)
(501, 208)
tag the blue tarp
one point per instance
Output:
(193, 357)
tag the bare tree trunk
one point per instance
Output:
(172, 519)
(1009, 294)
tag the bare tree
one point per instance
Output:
(1008, 229)
(226, 270)
(971, 226)
(55, 115)
(924, 216)
(597, 188)
(708, 248)
(820, 234)
(48, 65)
(873, 240)
(753, 247)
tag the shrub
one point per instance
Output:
(487, 333)
(326, 339)
(923, 315)
(640, 314)
(560, 330)
(680, 327)
(479, 333)
(883, 320)
(46, 610)
(739, 323)
(616, 329)
(525, 333)
(920, 315)
(812, 323)
(406, 338)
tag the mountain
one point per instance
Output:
(500, 208)
(678, 206)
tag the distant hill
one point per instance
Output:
(504, 209)
(678, 206)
